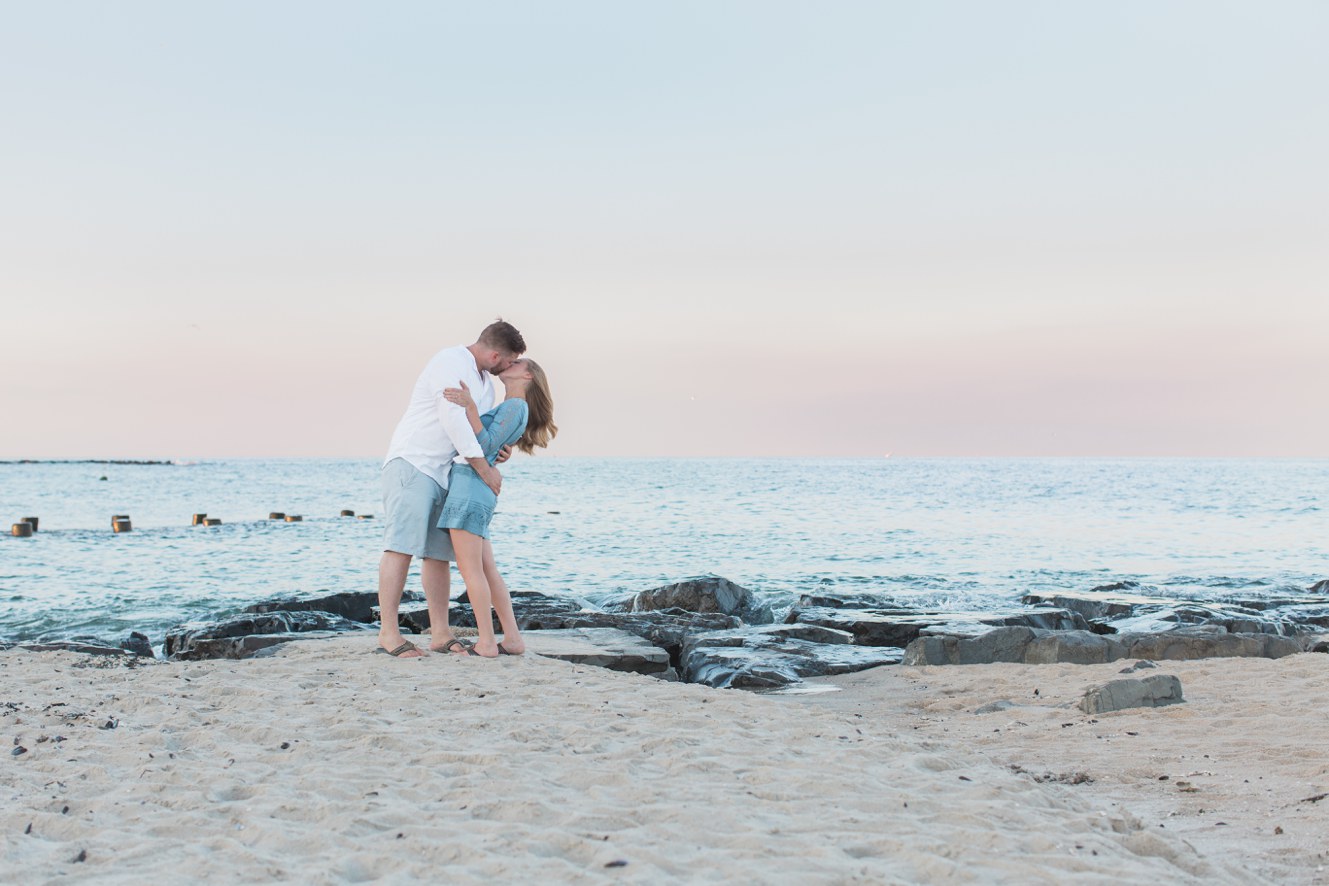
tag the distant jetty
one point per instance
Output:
(82, 461)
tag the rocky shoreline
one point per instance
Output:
(716, 633)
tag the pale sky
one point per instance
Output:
(725, 228)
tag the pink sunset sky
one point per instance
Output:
(726, 229)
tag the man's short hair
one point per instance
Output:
(503, 336)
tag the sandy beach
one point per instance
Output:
(325, 763)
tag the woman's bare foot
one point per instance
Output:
(485, 650)
(513, 646)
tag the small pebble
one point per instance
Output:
(18, 751)
(1277, 830)
(285, 745)
(28, 830)
(617, 863)
(82, 856)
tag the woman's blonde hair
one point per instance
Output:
(540, 427)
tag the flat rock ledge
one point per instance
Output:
(602, 648)
(1034, 646)
(1118, 695)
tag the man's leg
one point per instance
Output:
(434, 575)
(392, 569)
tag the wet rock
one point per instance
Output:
(600, 647)
(1320, 587)
(251, 646)
(832, 600)
(1111, 613)
(768, 657)
(361, 606)
(1115, 587)
(1206, 641)
(1032, 646)
(138, 644)
(84, 645)
(883, 628)
(1098, 604)
(186, 641)
(1074, 647)
(708, 593)
(999, 644)
(533, 610)
(1149, 692)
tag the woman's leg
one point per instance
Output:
(502, 600)
(470, 562)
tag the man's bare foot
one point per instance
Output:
(485, 650)
(399, 647)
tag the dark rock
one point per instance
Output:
(664, 628)
(1097, 604)
(1111, 613)
(1205, 641)
(708, 593)
(1320, 587)
(768, 657)
(1150, 692)
(999, 644)
(879, 628)
(138, 644)
(829, 600)
(534, 611)
(1075, 647)
(1139, 666)
(249, 646)
(602, 648)
(1031, 646)
(185, 641)
(86, 646)
(358, 606)
(1127, 585)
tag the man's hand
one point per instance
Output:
(504, 454)
(493, 479)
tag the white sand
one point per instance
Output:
(449, 768)
(1233, 771)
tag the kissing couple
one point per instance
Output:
(441, 484)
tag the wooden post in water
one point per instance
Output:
(276, 515)
(348, 513)
(365, 517)
(33, 521)
(120, 523)
(198, 519)
(212, 521)
(21, 529)
(294, 518)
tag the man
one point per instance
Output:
(415, 480)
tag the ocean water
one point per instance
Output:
(935, 533)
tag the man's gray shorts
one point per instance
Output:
(412, 503)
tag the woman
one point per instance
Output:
(525, 419)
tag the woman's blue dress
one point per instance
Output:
(470, 503)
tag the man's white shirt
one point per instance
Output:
(433, 431)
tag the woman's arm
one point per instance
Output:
(462, 397)
(507, 424)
